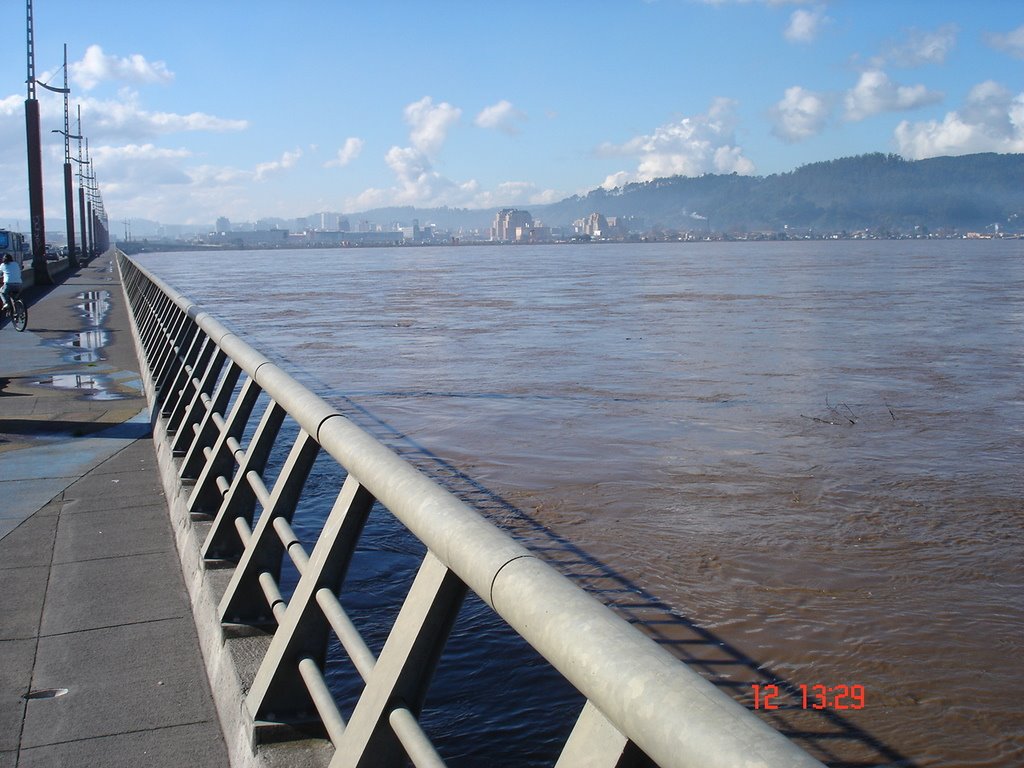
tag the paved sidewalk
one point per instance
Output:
(93, 599)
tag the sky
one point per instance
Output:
(196, 110)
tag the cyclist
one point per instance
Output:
(10, 274)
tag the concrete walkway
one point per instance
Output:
(93, 601)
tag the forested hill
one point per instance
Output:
(870, 191)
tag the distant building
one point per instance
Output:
(411, 234)
(324, 237)
(533, 234)
(372, 238)
(223, 225)
(627, 224)
(254, 238)
(507, 221)
(595, 225)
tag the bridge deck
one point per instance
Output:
(93, 598)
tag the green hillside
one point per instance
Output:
(874, 191)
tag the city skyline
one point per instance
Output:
(253, 110)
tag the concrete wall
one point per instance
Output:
(55, 268)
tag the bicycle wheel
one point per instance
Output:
(20, 318)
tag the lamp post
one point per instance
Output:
(99, 233)
(81, 188)
(90, 189)
(69, 195)
(35, 167)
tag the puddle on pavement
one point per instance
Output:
(95, 306)
(92, 386)
(85, 345)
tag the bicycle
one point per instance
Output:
(15, 309)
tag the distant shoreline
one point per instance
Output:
(150, 246)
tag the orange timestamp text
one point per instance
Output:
(812, 696)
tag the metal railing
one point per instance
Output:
(204, 383)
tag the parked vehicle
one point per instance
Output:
(14, 244)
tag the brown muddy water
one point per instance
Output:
(796, 464)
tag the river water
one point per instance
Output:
(793, 463)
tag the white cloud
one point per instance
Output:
(144, 164)
(1011, 42)
(991, 120)
(411, 167)
(875, 93)
(546, 196)
(430, 124)
(97, 66)
(731, 160)
(126, 119)
(367, 200)
(617, 179)
(286, 161)
(137, 152)
(514, 193)
(161, 185)
(108, 121)
(804, 26)
(350, 151)
(800, 114)
(690, 147)
(12, 105)
(921, 47)
(218, 176)
(502, 116)
(157, 183)
(417, 183)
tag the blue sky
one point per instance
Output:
(252, 109)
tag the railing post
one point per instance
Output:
(147, 321)
(191, 381)
(244, 601)
(168, 318)
(152, 324)
(206, 498)
(205, 435)
(404, 669)
(596, 743)
(179, 333)
(278, 692)
(181, 370)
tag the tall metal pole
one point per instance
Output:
(89, 216)
(81, 188)
(69, 186)
(35, 167)
(69, 205)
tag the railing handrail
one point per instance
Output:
(635, 690)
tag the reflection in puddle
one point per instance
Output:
(89, 342)
(92, 386)
(86, 344)
(95, 306)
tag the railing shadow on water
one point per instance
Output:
(824, 733)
